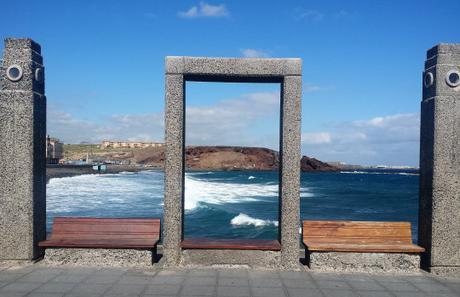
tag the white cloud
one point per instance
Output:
(205, 10)
(316, 138)
(235, 121)
(254, 53)
(392, 140)
(311, 14)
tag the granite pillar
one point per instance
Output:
(286, 72)
(439, 211)
(22, 153)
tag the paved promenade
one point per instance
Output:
(39, 280)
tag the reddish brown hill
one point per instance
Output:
(227, 158)
(311, 164)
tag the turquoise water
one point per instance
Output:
(238, 204)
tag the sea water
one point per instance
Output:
(238, 204)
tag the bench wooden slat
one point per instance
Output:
(231, 244)
(358, 236)
(367, 247)
(104, 233)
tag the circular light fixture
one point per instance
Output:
(14, 73)
(39, 75)
(428, 80)
(453, 78)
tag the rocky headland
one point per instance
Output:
(206, 158)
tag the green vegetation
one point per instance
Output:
(76, 151)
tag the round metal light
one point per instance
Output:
(39, 75)
(428, 80)
(453, 78)
(14, 73)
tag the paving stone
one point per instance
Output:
(172, 273)
(293, 292)
(35, 294)
(241, 282)
(400, 287)
(253, 274)
(162, 289)
(234, 273)
(55, 288)
(208, 273)
(267, 282)
(37, 277)
(13, 294)
(327, 276)
(200, 281)
(374, 294)
(267, 292)
(168, 280)
(135, 280)
(102, 279)
(19, 287)
(8, 277)
(333, 284)
(89, 289)
(69, 278)
(294, 275)
(299, 283)
(125, 290)
(365, 285)
(408, 294)
(197, 290)
(357, 277)
(432, 287)
(233, 291)
(338, 293)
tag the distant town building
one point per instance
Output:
(54, 150)
(129, 144)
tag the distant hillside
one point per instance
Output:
(199, 157)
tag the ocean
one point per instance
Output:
(239, 204)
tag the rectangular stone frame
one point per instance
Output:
(287, 72)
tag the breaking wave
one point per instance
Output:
(245, 220)
(204, 191)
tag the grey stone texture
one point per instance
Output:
(252, 259)
(42, 280)
(99, 257)
(288, 73)
(22, 157)
(439, 210)
(364, 262)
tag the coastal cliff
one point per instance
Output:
(196, 157)
(224, 158)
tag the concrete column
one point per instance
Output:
(291, 97)
(439, 212)
(22, 153)
(174, 168)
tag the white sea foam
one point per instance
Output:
(245, 220)
(251, 177)
(197, 191)
(105, 193)
(378, 173)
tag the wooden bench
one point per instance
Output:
(360, 246)
(362, 237)
(109, 233)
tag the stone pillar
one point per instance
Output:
(174, 168)
(291, 97)
(439, 211)
(22, 153)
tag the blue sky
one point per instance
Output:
(362, 64)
